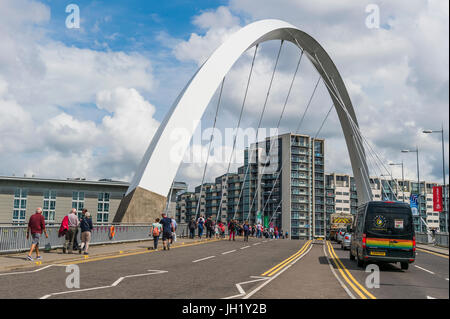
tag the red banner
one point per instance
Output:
(437, 198)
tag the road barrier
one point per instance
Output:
(423, 238)
(14, 238)
(441, 239)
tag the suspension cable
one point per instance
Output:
(260, 121)
(238, 126)
(354, 126)
(209, 149)
(296, 132)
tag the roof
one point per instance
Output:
(64, 181)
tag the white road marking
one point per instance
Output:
(196, 261)
(275, 276)
(429, 297)
(424, 269)
(228, 252)
(265, 241)
(151, 272)
(241, 290)
(30, 271)
(255, 244)
(245, 247)
(446, 279)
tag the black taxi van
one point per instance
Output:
(383, 231)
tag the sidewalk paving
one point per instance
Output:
(16, 261)
(436, 249)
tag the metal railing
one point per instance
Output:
(14, 238)
(423, 238)
(441, 239)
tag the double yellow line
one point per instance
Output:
(272, 271)
(356, 286)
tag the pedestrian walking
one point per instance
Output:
(174, 233)
(155, 232)
(232, 229)
(246, 229)
(167, 230)
(36, 225)
(216, 231)
(201, 224)
(209, 227)
(86, 230)
(192, 226)
(259, 230)
(73, 223)
(222, 230)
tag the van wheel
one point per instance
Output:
(352, 257)
(404, 266)
(360, 262)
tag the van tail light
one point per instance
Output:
(346, 237)
(414, 243)
(364, 241)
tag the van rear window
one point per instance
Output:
(389, 220)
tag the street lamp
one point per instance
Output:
(444, 188)
(418, 183)
(403, 178)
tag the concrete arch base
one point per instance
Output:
(140, 206)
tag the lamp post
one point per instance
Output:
(418, 183)
(444, 188)
(403, 178)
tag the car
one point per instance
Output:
(340, 235)
(383, 232)
(346, 241)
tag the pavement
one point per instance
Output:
(433, 248)
(220, 269)
(17, 261)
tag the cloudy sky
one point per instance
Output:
(85, 102)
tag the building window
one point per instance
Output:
(103, 208)
(20, 206)
(48, 209)
(78, 202)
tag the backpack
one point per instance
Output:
(155, 231)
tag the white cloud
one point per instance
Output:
(397, 78)
(48, 91)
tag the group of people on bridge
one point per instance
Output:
(217, 229)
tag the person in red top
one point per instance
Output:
(36, 225)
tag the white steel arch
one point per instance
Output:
(158, 168)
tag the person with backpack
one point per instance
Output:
(200, 223)
(192, 226)
(155, 232)
(246, 229)
(86, 229)
(167, 230)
